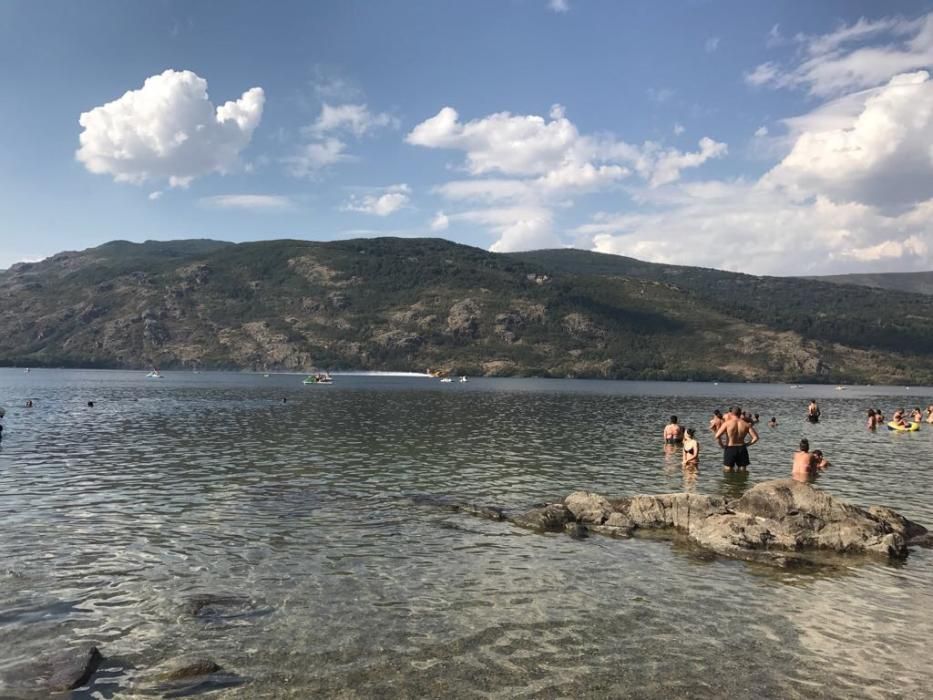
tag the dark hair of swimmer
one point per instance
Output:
(818, 454)
(717, 413)
(804, 445)
(674, 420)
(690, 432)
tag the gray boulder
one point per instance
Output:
(548, 518)
(588, 507)
(72, 668)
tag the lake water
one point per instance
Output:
(345, 584)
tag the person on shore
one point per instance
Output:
(691, 459)
(731, 437)
(715, 421)
(773, 422)
(673, 433)
(813, 412)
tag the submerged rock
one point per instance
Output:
(72, 668)
(547, 518)
(775, 522)
(186, 667)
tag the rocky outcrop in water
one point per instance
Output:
(72, 668)
(778, 522)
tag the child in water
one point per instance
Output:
(691, 458)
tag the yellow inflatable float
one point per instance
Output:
(910, 428)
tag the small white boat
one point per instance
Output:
(446, 380)
(27, 371)
(322, 378)
(463, 380)
(154, 374)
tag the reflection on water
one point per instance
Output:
(115, 517)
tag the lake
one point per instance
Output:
(307, 515)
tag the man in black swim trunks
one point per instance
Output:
(731, 437)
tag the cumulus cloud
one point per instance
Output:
(558, 5)
(533, 163)
(678, 129)
(882, 156)
(153, 196)
(381, 203)
(749, 227)
(761, 131)
(252, 202)
(840, 61)
(711, 44)
(168, 130)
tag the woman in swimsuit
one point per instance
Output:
(930, 413)
(916, 415)
(691, 458)
(872, 424)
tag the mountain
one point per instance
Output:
(913, 282)
(410, 304)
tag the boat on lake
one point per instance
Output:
(318, 378)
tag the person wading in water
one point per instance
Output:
(731, 437)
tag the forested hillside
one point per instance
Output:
(403, 304)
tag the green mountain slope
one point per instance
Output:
(403, 304)
(912, 282)
(862, 317)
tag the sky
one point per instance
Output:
(783, 138)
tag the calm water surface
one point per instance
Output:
(346, 584)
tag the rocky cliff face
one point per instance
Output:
(394, 305)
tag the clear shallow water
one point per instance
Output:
(112, 517)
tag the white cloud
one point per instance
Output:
(518, 228)
(558, 5)
(882, 156)
(323, 149)
(711, 44)
(440, 222)
(153, 196)
(839, 61)
(354, 118)
(541, 161)
(252, 202)
(853, 190)
(382, 203)
(761, 131)
(168, 130)
(756, 229)
(313, 157)
(678, 129)
(775, 38)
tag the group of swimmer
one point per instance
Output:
(735, 432)
(899, 419)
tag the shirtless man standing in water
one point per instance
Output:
(735, 449)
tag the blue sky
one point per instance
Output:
(781, 138)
